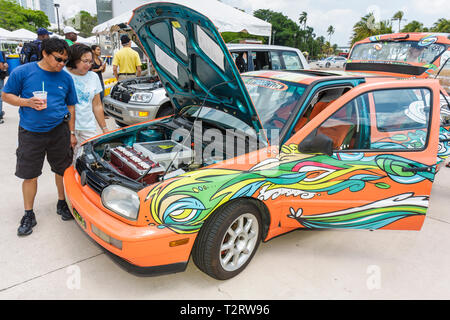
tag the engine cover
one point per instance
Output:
(134, 164)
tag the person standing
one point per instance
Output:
(89, 109)
(126, 62)
(31, 51)
(3, 69)
(71, 35)
(46, 123)
(19, 48)
(98, 66)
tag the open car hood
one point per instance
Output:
(192, 60)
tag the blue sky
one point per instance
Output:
(342, 15)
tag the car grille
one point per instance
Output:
(92, 180)
(112, 108)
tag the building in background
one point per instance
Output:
(104, 10)
(108, 9)
(44, 5)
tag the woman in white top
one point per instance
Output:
(89, 109)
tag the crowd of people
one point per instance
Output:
(58, 89)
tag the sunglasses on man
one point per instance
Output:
(59, 60)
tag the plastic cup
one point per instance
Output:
(41, 95)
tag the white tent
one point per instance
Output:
(5, 34)
(23, 34)
(224, 17)
(88, 41)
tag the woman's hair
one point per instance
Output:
(76, 51)
(94, 46)
(54, 44)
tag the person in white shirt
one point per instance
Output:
(89, 109)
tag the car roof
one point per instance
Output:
(307, 77)
(408, 36)
(258, 46)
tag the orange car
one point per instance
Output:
(247, 158)
(414, 54)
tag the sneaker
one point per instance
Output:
(64, 211)
(26, 224)
(1, 121)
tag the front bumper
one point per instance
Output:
(145, 250)
(127, 113)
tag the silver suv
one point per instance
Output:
(141, 99)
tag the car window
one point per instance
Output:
(261, 60)
(274, 100)
(291, 60)
(369, 123)
(276, 62)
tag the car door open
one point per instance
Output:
(368, 161)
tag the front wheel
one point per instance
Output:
(228, 240)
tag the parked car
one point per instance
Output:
(248, 158)
(332, 62)
(412, 54)
(141, 99)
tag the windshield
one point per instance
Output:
(274, 100)
(401, 51)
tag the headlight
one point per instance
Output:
(121, 200)
(141, 97)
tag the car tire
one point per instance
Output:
(327, 65)
(228, 240)
(164, 110)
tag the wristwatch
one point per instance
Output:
(72, 132)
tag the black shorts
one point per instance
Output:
(33, 146)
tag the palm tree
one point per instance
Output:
(442, 25)
(302, 19)
(330, 32)
(366, 27)
(398, 16)
(413, 26)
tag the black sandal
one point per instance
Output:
(448, 165)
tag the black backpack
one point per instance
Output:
(3, 74)
(31, 51)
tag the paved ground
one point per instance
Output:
(59, 262)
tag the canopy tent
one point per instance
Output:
(224, 17)
(5, 34)
(23, 35)
(88, 41)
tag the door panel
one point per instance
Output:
(378, 176)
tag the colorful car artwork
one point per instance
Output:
(246, 158)
(417, 54)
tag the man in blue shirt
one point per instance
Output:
(46, 125)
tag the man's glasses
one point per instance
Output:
(59, 60)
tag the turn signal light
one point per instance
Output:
(180, 242)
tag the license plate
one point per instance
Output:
(79, 218)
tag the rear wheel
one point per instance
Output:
(228, 240)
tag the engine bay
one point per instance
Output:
(144, 154)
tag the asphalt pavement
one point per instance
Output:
(58, 261)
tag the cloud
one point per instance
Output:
(439, 7)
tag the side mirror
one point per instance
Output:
(317, 144)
